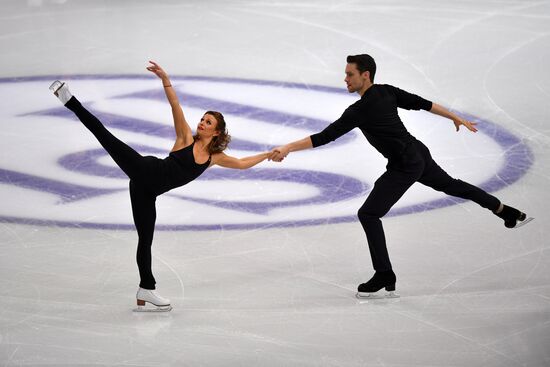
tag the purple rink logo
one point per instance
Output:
(54, 172)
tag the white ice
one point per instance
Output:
(472, 292)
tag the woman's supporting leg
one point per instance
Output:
(144, 212)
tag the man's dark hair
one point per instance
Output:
(364, 63)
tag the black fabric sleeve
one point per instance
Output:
(343, 125)
(410, 101)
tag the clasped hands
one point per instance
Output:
(278, 154)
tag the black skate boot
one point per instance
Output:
(381, 279)
(513, 218)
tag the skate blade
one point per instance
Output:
(381, 295)
(152, 308)
(56, 85)
(523, 222)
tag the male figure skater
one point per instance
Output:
(409, 161)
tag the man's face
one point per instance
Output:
(356, 81)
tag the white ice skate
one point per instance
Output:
(149, 301)
(61, 91)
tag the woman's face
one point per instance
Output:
(207, 126)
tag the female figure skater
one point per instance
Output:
(150, 177)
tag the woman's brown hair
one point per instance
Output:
(219, 142)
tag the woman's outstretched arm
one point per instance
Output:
(224, 160)
(184, 135)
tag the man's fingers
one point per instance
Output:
(471, 125)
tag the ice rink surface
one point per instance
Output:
(262, 265)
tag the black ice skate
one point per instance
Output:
(513, 218)
(381, 279)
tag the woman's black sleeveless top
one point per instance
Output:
(180, 168)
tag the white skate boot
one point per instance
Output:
(156, 302)
(61, 91)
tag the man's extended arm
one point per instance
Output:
(278, 154)
(342, 126)
(442, 111)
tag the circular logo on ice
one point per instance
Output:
(54, 172)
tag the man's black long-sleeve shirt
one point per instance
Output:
(376, 115)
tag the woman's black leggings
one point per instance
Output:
(416, 165)
(142, 187)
